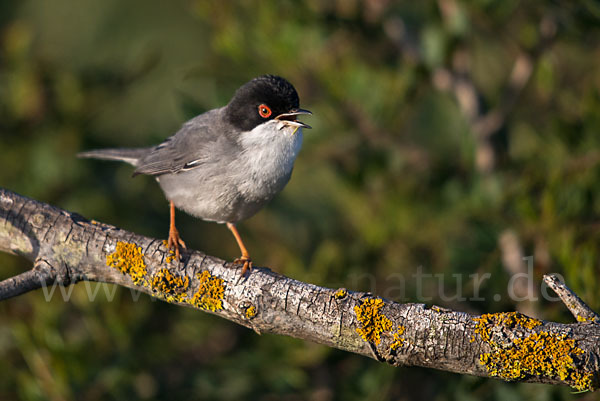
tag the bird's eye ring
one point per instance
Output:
(264, 111)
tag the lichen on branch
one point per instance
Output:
(534, 353)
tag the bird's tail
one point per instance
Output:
(131, 156)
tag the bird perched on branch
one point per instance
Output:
(226, 164)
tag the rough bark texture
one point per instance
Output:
(67, 248)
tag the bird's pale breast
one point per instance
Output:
(234, 188)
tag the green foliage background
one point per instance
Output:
(392, 179)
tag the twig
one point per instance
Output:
(27, 281)
(576, 306)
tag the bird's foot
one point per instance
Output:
(246, 262)
(175, 242)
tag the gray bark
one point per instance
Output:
(67, 248)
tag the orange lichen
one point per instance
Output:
(583, 319)
(398, 341)
(372, 322)
(169, 285)
(128, 259)
(171, 256)
(251, 312)
(505, 319)
(340, 293)
(210, 292)
(535, 354)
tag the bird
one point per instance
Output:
(226, 164)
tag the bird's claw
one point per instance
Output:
(175, 242)
(246, 263)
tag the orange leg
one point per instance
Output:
(245, 258)
(174, 240)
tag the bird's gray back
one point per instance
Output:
(197, 142)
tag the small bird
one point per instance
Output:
(224, 165)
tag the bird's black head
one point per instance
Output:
(261, 100)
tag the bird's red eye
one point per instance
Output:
(264, 111)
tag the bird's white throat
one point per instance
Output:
(269, 152)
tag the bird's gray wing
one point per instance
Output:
(195, 144)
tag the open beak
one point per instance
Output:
(290, 118)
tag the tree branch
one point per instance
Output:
(67, 248)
